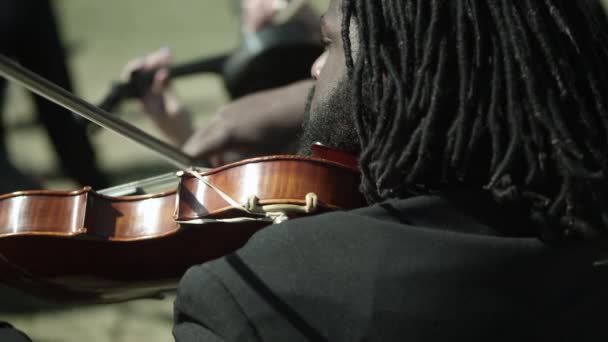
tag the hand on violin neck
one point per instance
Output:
(158, 100)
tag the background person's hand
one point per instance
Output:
(257, 13)
(159, 102)
(264, 123)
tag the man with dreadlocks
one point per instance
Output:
(481, 129)
(482, 135)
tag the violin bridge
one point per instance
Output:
(280, 212)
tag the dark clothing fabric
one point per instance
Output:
(422, 269)
(9, 334)
(28, 33)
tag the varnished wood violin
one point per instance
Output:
(126, 242)
(85, 245)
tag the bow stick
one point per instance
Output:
(43, 87)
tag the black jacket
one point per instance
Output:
(10, 334)
(422, 269)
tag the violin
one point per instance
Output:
(129, 242)
(91, 246)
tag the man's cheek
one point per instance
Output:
(334, 68)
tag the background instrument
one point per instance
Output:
(275, 56)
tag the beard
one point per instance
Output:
(330, 122)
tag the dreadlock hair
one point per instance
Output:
(504, 95)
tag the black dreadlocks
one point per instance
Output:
(501, 94)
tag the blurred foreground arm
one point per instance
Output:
(264, 123)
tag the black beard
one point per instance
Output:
(331, 123)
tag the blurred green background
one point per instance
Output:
(101, 36)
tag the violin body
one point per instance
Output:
(86, 246)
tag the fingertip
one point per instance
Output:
(162, 75)
(157, 59)
(188, 149)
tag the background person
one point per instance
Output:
(29, 33)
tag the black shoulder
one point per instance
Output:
(205, 310)
(10, 334)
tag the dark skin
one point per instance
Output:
(329, 117)
(330, 68)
